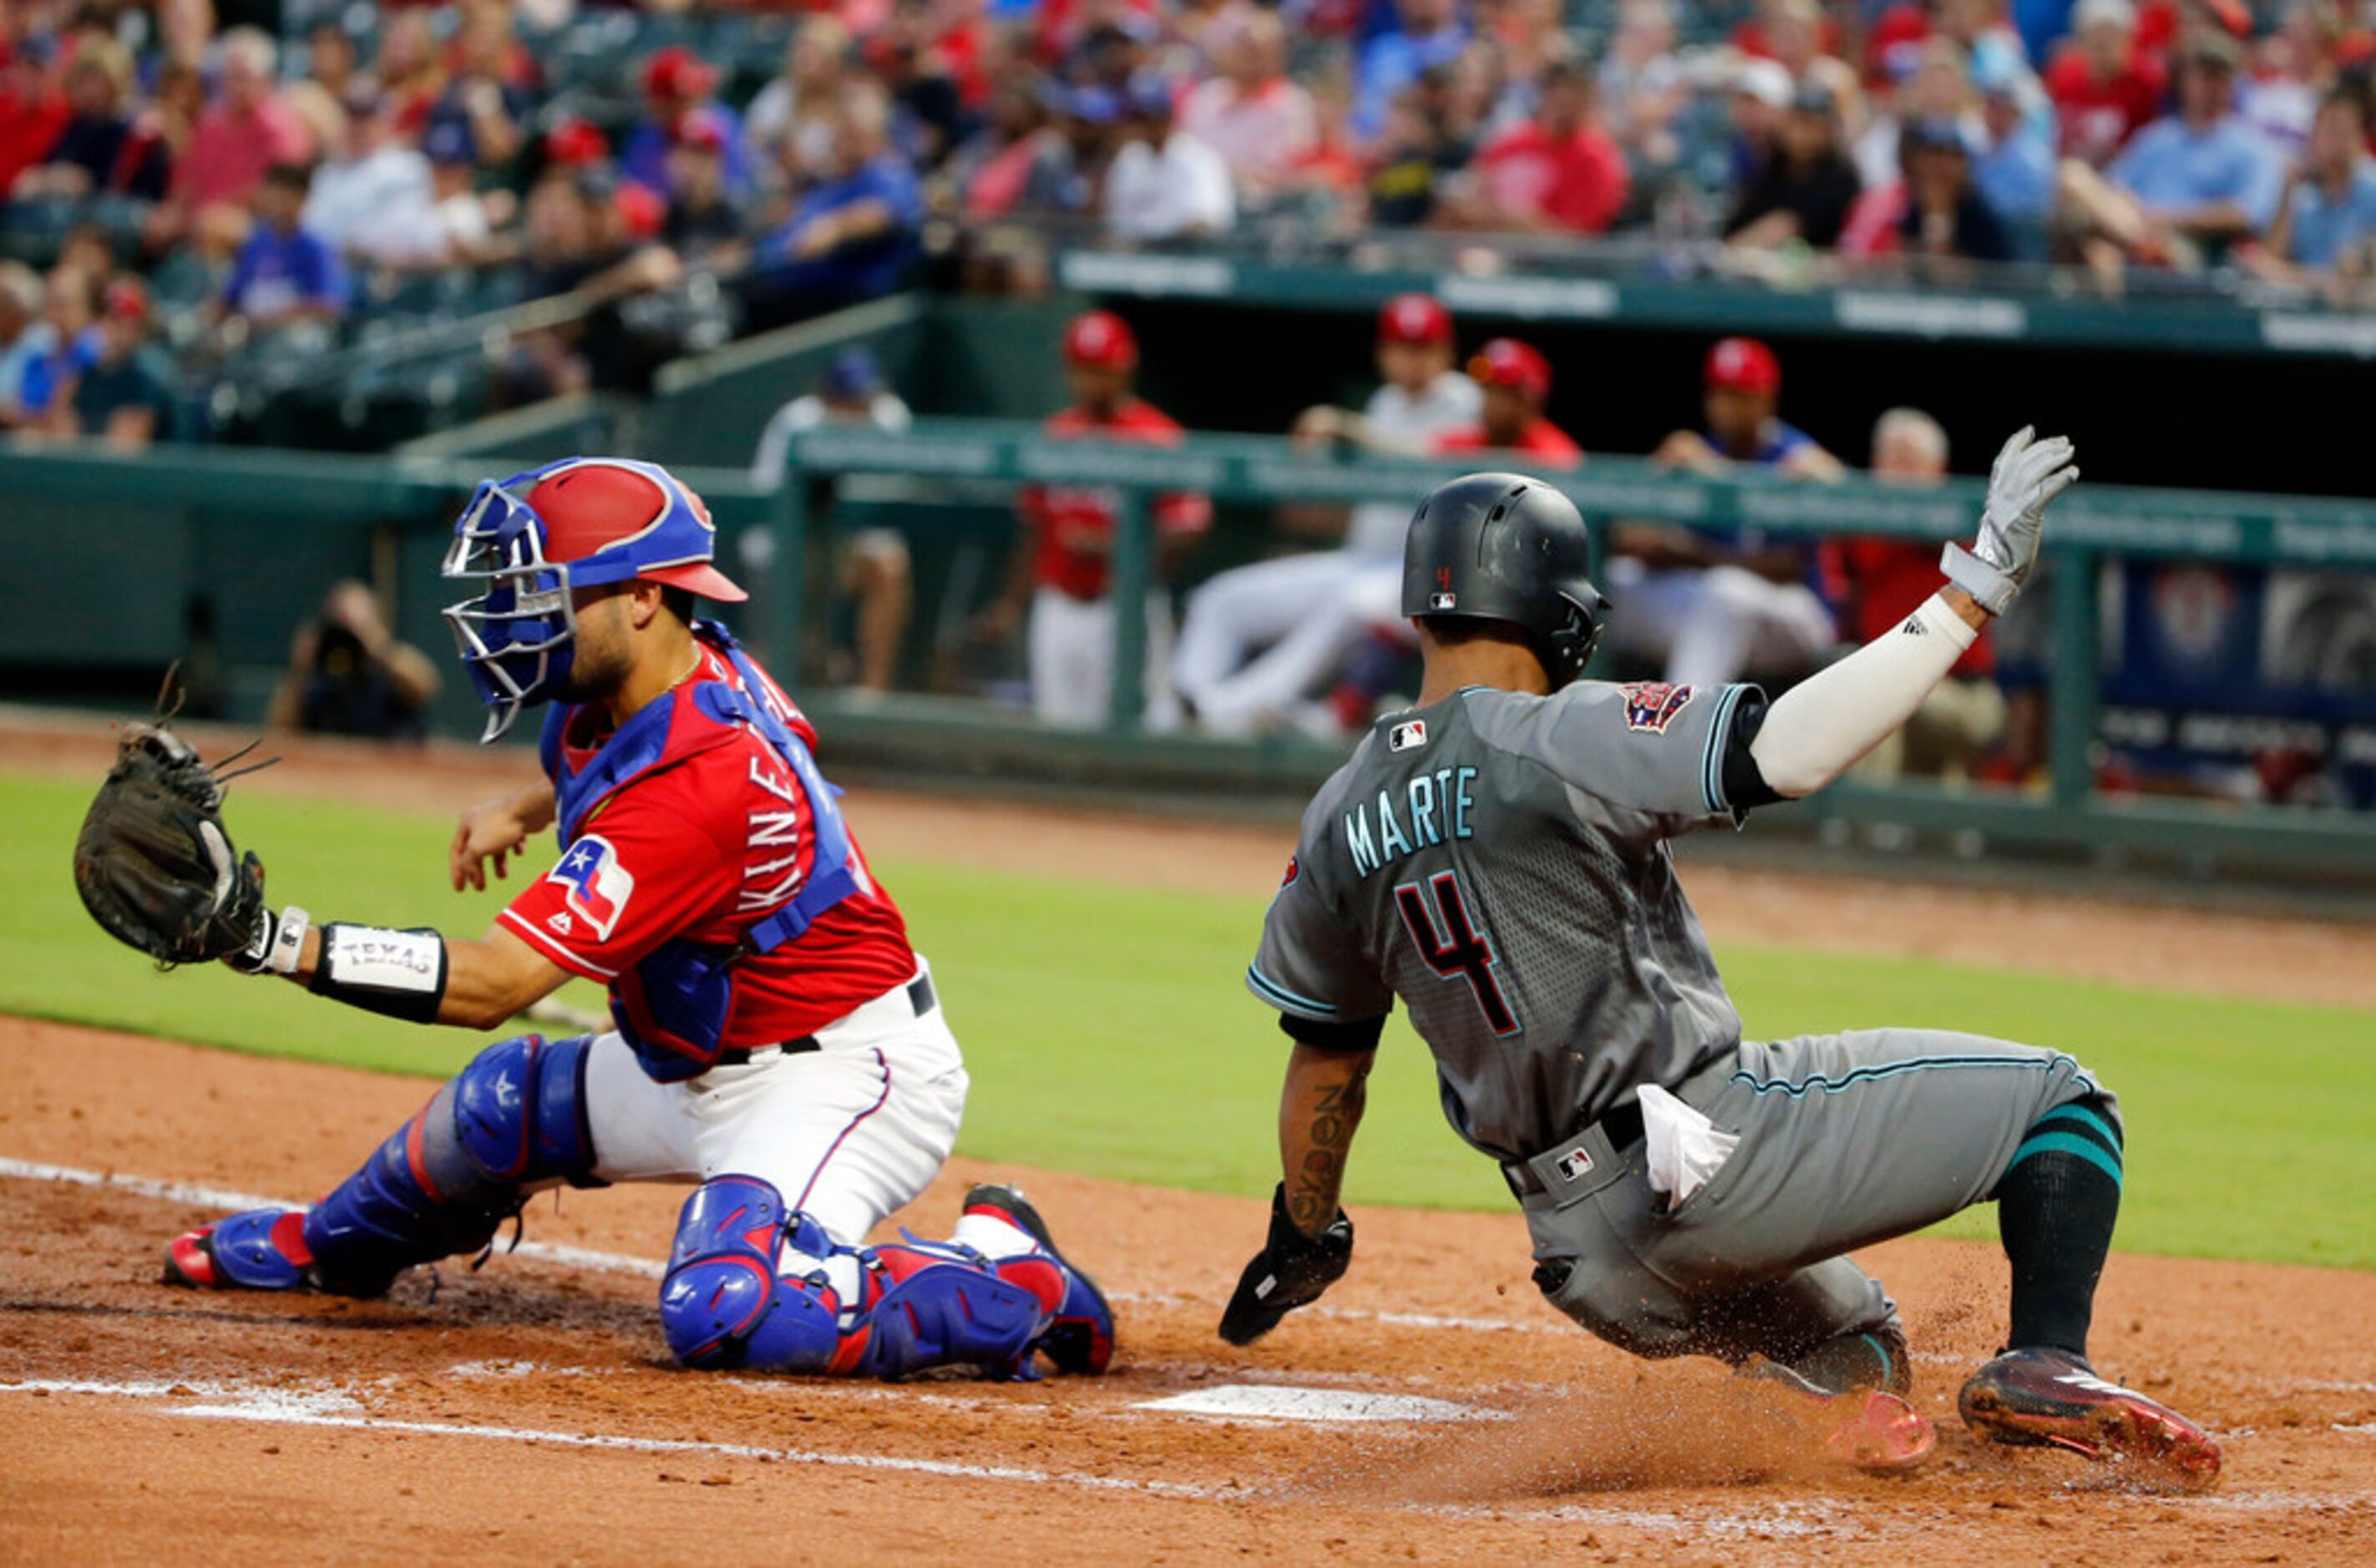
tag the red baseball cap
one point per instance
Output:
(1100, 339)
(702, 129)
(1415, 318)
(1505, 361)
(677, 72)
(576, 141)
(590, 506)
(1743, 364)
(126, 298)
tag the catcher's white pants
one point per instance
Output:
(1302, 613)
(1712, 625)
(1072, 650)
(850, 1132)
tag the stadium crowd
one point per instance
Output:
(185, 178)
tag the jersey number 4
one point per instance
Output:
(1450, 944)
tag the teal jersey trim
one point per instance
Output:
(2087, 1150)
(1712, 759)
(1278, 996)
(2086, 1118)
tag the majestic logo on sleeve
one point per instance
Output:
(599, 886)
(1652, 704)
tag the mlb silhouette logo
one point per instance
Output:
(1408, 737)
(1573, 1166)
(1443, 601)
(599, 887)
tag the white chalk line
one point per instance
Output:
(232, 1201)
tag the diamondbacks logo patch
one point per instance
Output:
(1408, 737)
(599, 886)
(1294, 869)
(1652, 704)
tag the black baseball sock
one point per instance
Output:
(2055, 1211)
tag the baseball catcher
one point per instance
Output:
(1497, 859)
(775, 1042)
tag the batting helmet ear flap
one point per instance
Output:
(1568, 647)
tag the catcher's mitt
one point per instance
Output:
(153, 863)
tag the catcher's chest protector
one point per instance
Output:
(672, 1007)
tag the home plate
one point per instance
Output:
(1275, 1402)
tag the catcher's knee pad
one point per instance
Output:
(934, 1305)
(722, 1302)
(444, 1181)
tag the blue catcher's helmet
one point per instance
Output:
(530, 538)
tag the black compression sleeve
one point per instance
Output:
(1744, 783)
(1360, 1035)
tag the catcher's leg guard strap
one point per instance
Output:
(723, 1304)
(944, 1306)
(444, 1181)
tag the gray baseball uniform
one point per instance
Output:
(1500, 862)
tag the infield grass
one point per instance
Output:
(1107, 1031)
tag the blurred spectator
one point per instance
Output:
(1263, 125)
(1939, 90)
(2326, 220)
(1559, 171)
(1258, 641)
(704, 224)
(1069, 163)
(284, 273)
(1759, 97)
(1932, 209)
(1410, 165)
(677, 99)
(33, 108)
(2293, 71)
(21, 338)
(872, 572)
(65, 344)
(1883, 581)
(1164, 183)
(1710, 604)
(484, 104)
(2015, 168)
(1426, 33)
(853, 234)
(1516, 382)
(2106, 87)
(2185, 186)
(1805, 191)
(792, 120)
(99, 150)
(1643, 87)
(123, 397)
(412, 75)
(246, 130)
(1797, 36)
(348, 675)
(906, 56)
(1061, 572)
(465, 218)
(374, 198)
(988, 174)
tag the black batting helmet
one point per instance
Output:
(1506, 548)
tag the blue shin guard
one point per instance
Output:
(724, 1301)
(444, 1181)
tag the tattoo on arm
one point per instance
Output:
(1312, 1198)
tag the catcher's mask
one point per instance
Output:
(530, 538)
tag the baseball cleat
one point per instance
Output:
(2052, 1398)
(1878, 1431)
(1080, 1339)
(261, 1250)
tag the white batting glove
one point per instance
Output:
(2028, 474)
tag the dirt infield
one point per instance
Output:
(525, 1410)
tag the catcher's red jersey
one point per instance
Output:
(713, 837)
(1073, 525)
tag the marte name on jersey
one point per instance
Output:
(1437, 807)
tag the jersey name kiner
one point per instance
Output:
(1437, 805)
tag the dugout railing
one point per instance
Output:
(115, 555)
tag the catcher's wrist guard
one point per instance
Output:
(280, 941)
(1290, 1271)
(399, 974)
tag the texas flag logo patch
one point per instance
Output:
(599, 886)
(1652, 704)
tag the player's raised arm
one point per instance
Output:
(497, 827)
(1818, 729)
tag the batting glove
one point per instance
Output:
(2028, 474)
(1290, 1271)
